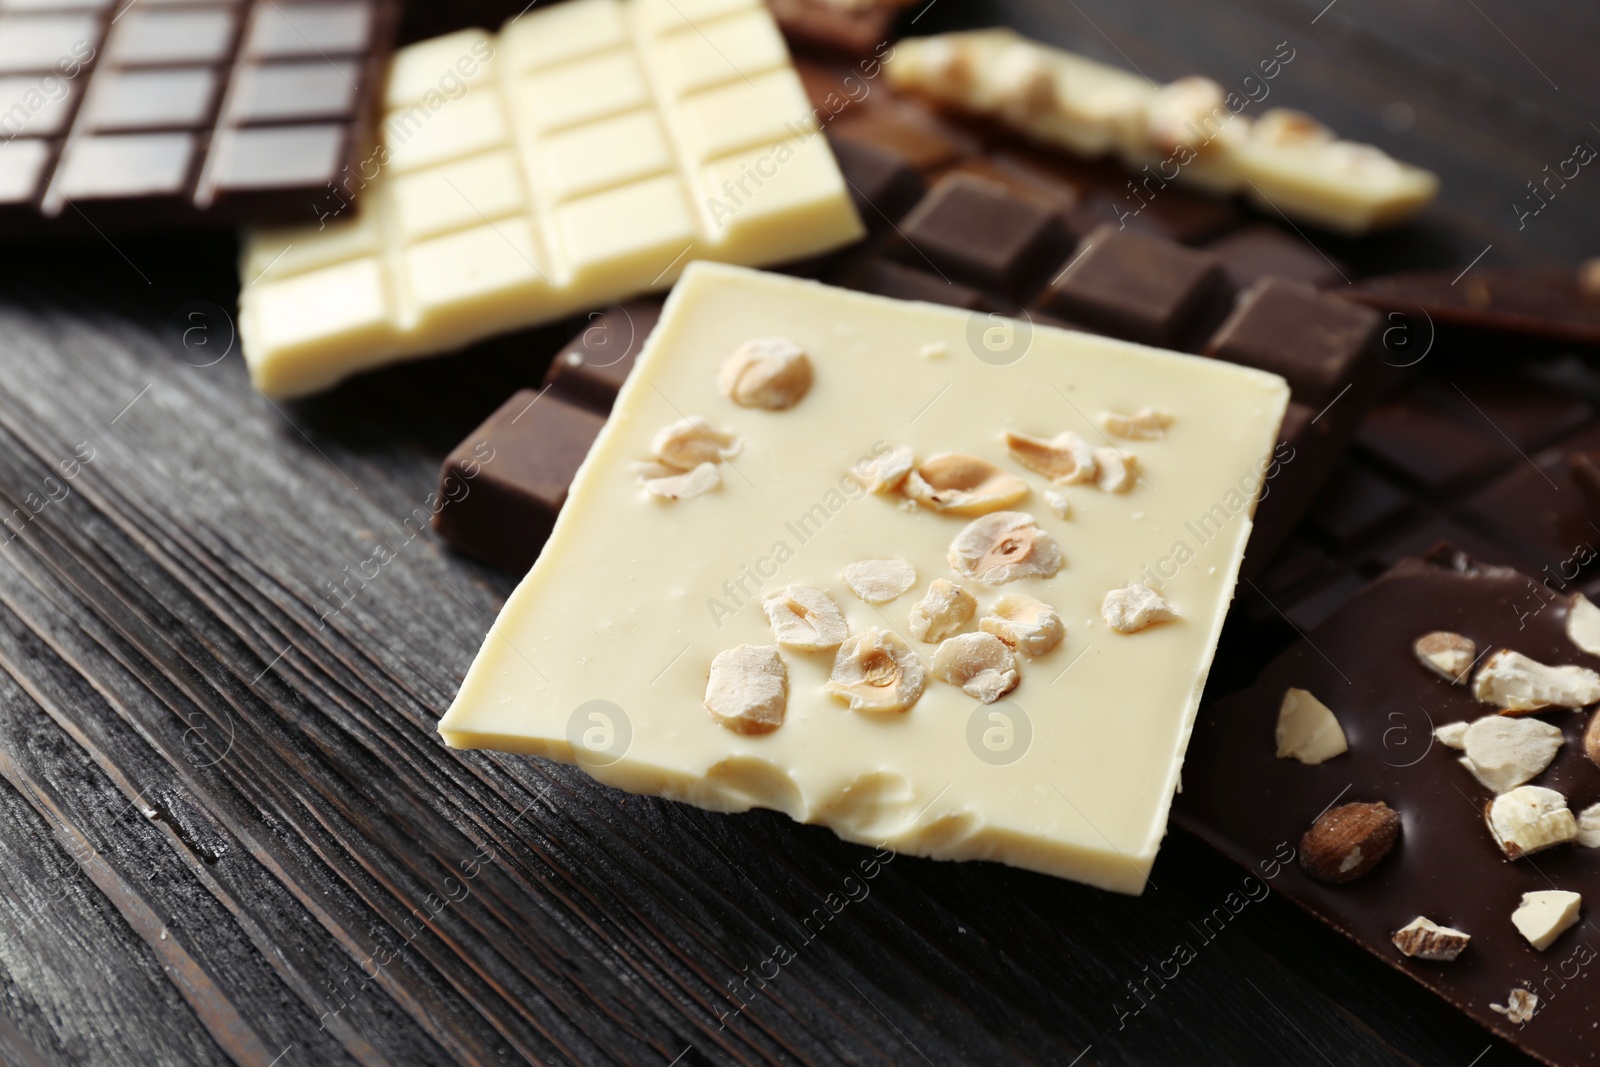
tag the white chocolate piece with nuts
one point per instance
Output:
(1134, 607)
(1449, 655)
(1529, 819)
(943, 610)
(1545, 915)
(1514, 683)
(1583, 624)
(1424, 939)
(878, 581)
(980, 664)
(1024, 623)
(1307, 729)
(805, 618)
(1504, 752)
(748, 689)
(768, 372)
(631, 601)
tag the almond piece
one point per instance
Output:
(1348, 841)
(1591, 738)
(1589, 827)
(1307, 729)
(748, 689)
(1004, 547)
(769, 372)
(1515, 683)
(1530, 819)
(1545, 914)
(960, 484)
(1423, 939)
(943, 610)
(1449, 655)
(1519, 1006)
(1503, 752)
(805, 618)
(1583, 624)
(1065, 458)
(1453, 734)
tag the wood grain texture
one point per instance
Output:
(229, 832)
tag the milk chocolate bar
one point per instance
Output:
(582, 156)
(776, 583)
(850, 28)
(1401, 718)
(117, 113)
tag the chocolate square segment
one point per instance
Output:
(883, 184)
(275, 156)
(308, 89)
(977, 231)
(30, 43)
(593, 366)
(503, 486)
(151, 99)
(1134, 286)
(126, 165)
(199, 35)
(1314, 341)
(285, 29)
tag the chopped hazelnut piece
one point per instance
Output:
(768, 372)
(943, 610)
(669, 483)
(1545, 914)
(963, 485)
(1065, 458)
(1583, 624)
(878, 581)
(1529, 819)
(1180, 113)
(689, 442)
(1519, 1006)
(979, 663)
(804, 617)
(1146, 424)
(1059, 505)
(1115, 471)
(1503, 752)
(1284, 127)
(885, 473)
(876, 671)
(1514, 683)
(1004, 547)
(1134, 607)
(1446, 654)
(1423, 939)
(1024, 623)
(1307, 729)
(748, 689)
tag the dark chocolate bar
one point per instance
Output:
(1253, 806)
(1555, 306)
(849, 28)
(126, 113)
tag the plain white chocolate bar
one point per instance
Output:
(585, 154)
(1192, 130)
(604, 656)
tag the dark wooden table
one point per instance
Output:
(228, 829)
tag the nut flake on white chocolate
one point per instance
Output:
(670, 483)
(1146, 424)
(878, 581)
(1519, 1006)
(1583, 624)
(963, 485)
(1116, 471)
(805, 618)
(980, 664)
(1003, 547)
(876, 671)
(1307, 729)
(1134, 607)
(748, 689)
(1513, 682)
(1065, 459)
(1589, 827)
(1176, 115)
(1423, 939)
(1059, 505)
(1449, 655)
(1503, 752)
(691, 441)
(943, 610)
(1024, 623)
(1529, 819)
(769, 372)
(885, 473)
(1545, 914)
(1454, 734)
